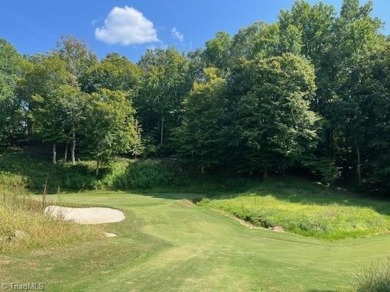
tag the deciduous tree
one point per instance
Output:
(274, 119)
(110, 127)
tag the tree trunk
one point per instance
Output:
(162, 131)
(29, 127)
(66, 153)
(330, 143)
(54, 153)
(359, 170)
(73, 150)
(97, 167)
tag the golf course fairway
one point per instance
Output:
(168, 244)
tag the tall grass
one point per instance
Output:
(23, 224)
(306, 209)
(375, 278)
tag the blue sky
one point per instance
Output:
(129, 27)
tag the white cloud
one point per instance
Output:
(126, 26)
(176, 34)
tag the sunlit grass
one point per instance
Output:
(315, 213)
(169, 244)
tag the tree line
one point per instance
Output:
(310, 91)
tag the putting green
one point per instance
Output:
(167, 244)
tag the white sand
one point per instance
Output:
(86, 215)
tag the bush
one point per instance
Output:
(36, 172)
(150, 173)
(324, 168)
(376, 278)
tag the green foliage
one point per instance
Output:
(323, 168)
(59, 113)
(274, 120)
(48, 97)
(110, 127)
(10, 71)
(217, 51)
(150, 173)
(309, 90)
(33, 172)
(77, 56)
(375, 278)
(372, 129)
(21, 169)
(258, 39)
(200, 138)
(164, 84)
(113, 72)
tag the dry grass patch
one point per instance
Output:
(25, 226)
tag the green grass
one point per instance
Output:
(168, 244)
(375, 278)
(305, 208)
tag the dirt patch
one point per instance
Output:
(277, 229)
(248, 224)
(86, 215)
(187, 203)
(242, 222)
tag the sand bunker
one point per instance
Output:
(86, 215)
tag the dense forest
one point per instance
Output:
(308, 93)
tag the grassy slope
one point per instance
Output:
(166, 244)
(304, 208)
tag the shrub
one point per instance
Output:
(376, 278)
(35, 172)
(149, 173)
(111, 176)
(323, 168)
